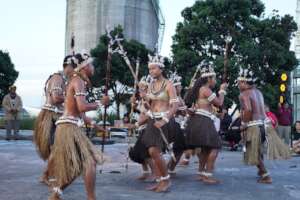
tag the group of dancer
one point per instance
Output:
(168, 126)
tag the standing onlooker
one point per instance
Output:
(12, 105)
(233, 135)
(271, 116)
(296, 138)
(284, 122)
(226, 120)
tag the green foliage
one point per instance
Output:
(27, 123)
(8, 74)
(257, 42)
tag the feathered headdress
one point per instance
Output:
(207, 69)
(70, 60)
(175, 79)
(157, 60)
(246, 75)
(85, 60)
(146, 80)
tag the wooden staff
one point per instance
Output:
(226, 58)
(110, 52)
(194, 76)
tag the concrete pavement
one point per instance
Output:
(21, 167)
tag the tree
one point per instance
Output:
(258, 42)
(8, 74)
(121, 80)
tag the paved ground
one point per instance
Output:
(21, 168)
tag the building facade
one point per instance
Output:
(295, 75)
(87, 20)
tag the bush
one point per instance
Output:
(27, 123)
(111, 117)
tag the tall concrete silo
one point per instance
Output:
(87, 20)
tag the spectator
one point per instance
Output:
(284, 122)
(233, 135)
(226, 120)
(271, 116)
(296, 138)
(12, 105)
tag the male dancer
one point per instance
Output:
(51, 111)
(257, 129)
(73, 154)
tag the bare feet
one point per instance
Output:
(201, 177)
(152, 187)
(260, 173)
(151, 178)
(163, 186)
(54, 196)
(210, 180)
(44, 180)
(265, 180)
(184, 162)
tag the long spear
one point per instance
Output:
(228, 39)
(135, 75)
(110, 51)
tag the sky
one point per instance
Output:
(33, 32)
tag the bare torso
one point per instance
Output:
(55, 88)
(159, 104)
(252, 103)
(71, 108)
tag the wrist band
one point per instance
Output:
(222, 92)
(166, 119)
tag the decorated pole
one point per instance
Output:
(194, 76)
(135, 74)
(228, 39)
(110, 52)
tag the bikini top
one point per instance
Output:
(161, 94)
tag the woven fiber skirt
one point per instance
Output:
(72, 153)
(201, 132)
(255, 139)
(44, 130)
(152, 136)
(139, 153)
(277, 149)
(180, 140)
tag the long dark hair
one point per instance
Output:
(193, 93)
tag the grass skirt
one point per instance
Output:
(277, 149)
(255, 146)
(72, 153)
(44, 130)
